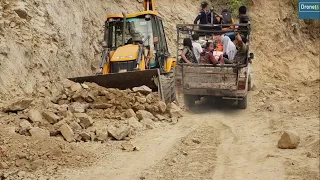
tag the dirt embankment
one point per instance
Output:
(41, 41)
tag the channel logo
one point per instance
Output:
(309, 9)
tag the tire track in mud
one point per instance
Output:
(194, 157)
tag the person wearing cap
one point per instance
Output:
(204, 15)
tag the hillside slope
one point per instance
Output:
(41, 41)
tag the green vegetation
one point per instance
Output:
(295, 4)
(234, 5)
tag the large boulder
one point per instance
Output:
(35, 116)
(39, 133)
(77, 107)
(174, 111)
(134, 123)
(130, 113)
(289, 140)
(148, 123)
(25, 126)
(101, 135)
(162, 106)
(85, 120)
(142, 114)
(75, 87)
(67, 133)
(85, 136)
(18, 105)
(119, 133)
(51, 117)
(142, 89)
(75, 127)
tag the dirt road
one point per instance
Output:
(210, 143)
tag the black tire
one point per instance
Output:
(189, 100)
(242, 104)
(168, 87)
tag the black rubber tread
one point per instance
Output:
(168, 87)
(242, 104)
(189, 100)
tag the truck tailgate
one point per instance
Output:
(209, 78)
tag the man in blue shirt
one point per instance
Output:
(204, 15)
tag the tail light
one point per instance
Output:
(241, 85)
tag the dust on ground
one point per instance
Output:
(42, 47)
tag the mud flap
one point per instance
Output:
(127, 80)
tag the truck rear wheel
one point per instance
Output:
(242, 104)
(189, 100)
(168, 87)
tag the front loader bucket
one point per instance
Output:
(126, 80)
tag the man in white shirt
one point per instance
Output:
(197, 49)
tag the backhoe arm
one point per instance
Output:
(149, 5)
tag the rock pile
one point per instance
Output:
(88, 112)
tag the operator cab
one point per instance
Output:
(146, 29)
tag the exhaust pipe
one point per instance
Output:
(124, 28)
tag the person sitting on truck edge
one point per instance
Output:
(241, 46)
(229, 50)
(243, 19)
(197, 49)
(226, 18)
(187, 55)
(240, 43)
(207, 56)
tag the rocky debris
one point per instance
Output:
(130, 113)
(101, 106)
(142, 114)
(77, 107)
(119, 133)
(175, 111)
(75, 87)
(75, 127)
(85, 120)
(84, 86)
(196, 140)
(25, 126)
(162, 106)
(71, 108)
(39, 133)
(51, 117)
(3, 165)
(127, 146)
(141, 100)
(148, 123)
(102, 135)
(289, 140)
(142, 89)
(18, 105)
(35, 116)
(174, 120)
(134, 123)
(160, 117)
(85, 136)
(67, 132)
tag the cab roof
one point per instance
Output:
(109, 16)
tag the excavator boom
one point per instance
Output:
(149, 5)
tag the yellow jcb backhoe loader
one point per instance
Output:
(136, 54)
